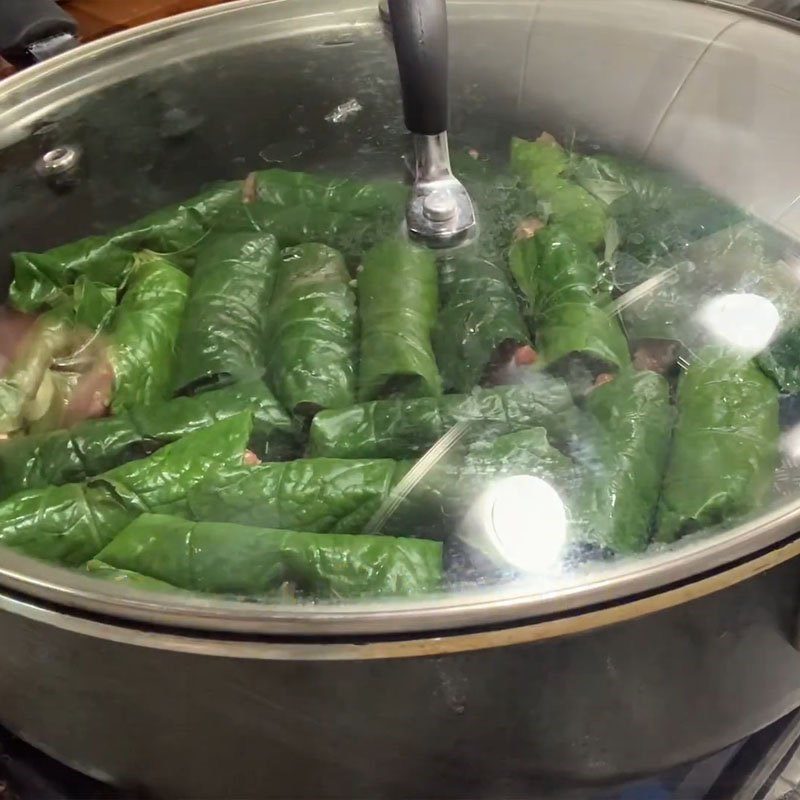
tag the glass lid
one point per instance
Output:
(231, 378)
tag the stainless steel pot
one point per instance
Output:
(629, 669)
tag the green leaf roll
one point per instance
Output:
(543, 165)
(64, 524)
(40, 278)
(402, 428)
(479, 324)
(95, 446)
(626, 466)
(295, 225)
(310, 331)
(725, 445)
(145, 327)
(325, 495)
(235, 559)
(559, 278)
(70, 524)
(221, 335)
(283, 188)
(399, 299)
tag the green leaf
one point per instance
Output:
(70, 524)
(725, 446)
(479, 324)
(398, 305)
(221, 334)
(144, 331)
(310, 331)
(626, 463)
(234, 559)
(406, 428)
(317, 494)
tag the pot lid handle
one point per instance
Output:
(419, 30)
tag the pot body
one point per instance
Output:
(158, 113)
(181, 715)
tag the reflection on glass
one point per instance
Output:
(790, 444)
(519, 522)
(743, 321)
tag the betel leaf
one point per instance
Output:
(559, 278)
(144, 330)
(725, 446)
(310, 331)
(398, 304)
(625, 463)
(479, 324)
(228, 558)
(283, 188)
(406, 428)
(221, 333)
(70, 524)
(315, 494)
(293, 225)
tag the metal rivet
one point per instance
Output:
(439, 207)
(58, 161)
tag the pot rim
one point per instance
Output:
(652, 574)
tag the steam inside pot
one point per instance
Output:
(268, 386)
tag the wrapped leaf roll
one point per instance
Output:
(325, 495)
(479, 325)
(293, 225)
(310, 331)
(398, 303)
(543, 165)
(283, 188)
(559, 277)
(400, 428)
(234, 559)
(144, 331)
(70, 524)
(126, 577)
(626, 465)
(40, 278)
(725, 446)
(95, 446)
(221, 335)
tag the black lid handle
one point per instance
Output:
(24, 22)
(419, 30)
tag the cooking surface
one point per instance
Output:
(765, 765)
